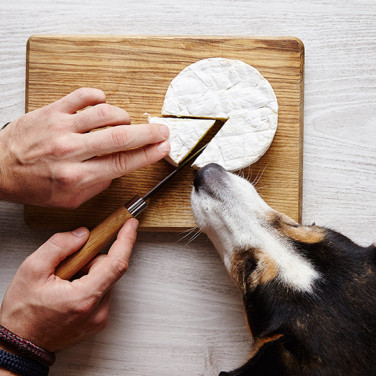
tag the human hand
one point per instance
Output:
(53, 313)
(47, 157)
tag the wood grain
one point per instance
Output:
(176, 311)
(56, 65)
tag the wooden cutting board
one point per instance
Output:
(134, 72)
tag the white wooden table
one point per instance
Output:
(176, 311)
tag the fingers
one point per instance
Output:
(112, 166)
(47, 257)
(79, 99)
(98, 116)
(104, 273)
(116, 139)
(89, 265)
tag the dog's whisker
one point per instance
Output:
(262, 187)
(256, 181)
(240, 173)
(194, 236)
(249, 172)
(255, 178)
(189, 232)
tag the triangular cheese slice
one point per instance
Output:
(185, 134)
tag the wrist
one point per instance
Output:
(23, 347)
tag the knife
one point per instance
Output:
(107, 230)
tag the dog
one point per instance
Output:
(309, 292)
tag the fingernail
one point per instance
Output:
(80, 232)
(164, 147)
(135, 224)
(165, 132)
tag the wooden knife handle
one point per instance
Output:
(99, 237)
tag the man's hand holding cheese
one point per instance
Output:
(49, 157)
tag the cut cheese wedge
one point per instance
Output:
(219, 88)
(185, 134)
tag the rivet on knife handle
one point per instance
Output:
(99, 237)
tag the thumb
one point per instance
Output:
(106, 272)
(49, 255)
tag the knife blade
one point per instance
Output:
(107, 230)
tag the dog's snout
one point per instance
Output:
(208, 176)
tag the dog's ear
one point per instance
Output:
(369, 252)
(242, 266)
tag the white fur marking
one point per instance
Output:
(237, 221)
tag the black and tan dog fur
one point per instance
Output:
(327, 329)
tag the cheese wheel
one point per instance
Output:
(185, 134)
(241, 141)
(219, 88)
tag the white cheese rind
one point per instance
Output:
(184, 135)
(219, 88)
(242, 140)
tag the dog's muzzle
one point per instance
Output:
(210, 179)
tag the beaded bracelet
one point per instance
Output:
(21, 366)
(26, 347)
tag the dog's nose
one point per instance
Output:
(207, 175)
